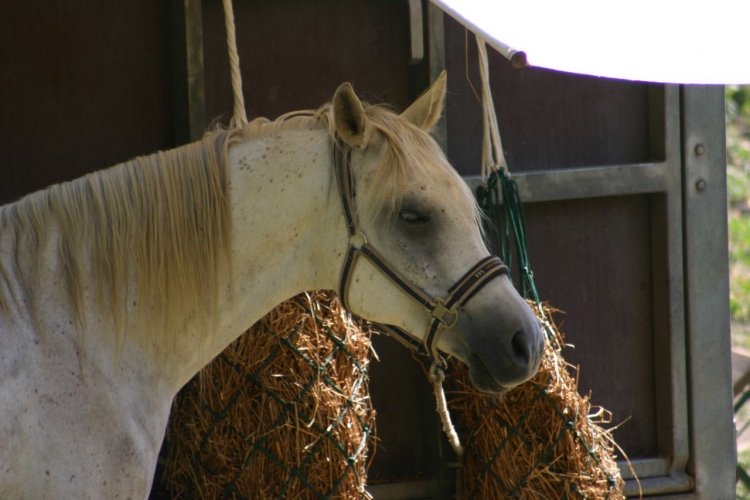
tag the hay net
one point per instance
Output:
(283, 412)
(543, 439)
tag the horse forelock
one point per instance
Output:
(410, 153)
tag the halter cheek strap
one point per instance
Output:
(443, 312)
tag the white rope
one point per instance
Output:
(437, 376)
(492, 148)
(239, 117)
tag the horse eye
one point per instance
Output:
(411, 217)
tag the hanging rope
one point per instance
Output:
(239, 118)
(492, 148)
(506, 219)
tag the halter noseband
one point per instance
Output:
(443, 312)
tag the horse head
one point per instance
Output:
(416, 223)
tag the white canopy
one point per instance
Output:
(669, 41)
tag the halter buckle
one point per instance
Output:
(440, 311)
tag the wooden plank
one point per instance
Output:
(406, 490)
(596, 182)
(83, 86)
(188, 75)
(295, 54)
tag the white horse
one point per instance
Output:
(117, 288)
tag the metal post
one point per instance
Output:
(712, 446)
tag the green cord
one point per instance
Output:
(506, 225)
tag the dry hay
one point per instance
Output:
(283, 412)
(538, 442)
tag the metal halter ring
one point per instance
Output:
(441, 310)
(357, 240)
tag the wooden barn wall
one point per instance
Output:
(603, 286)
(548, 120)
(83, 85)
(295, 54)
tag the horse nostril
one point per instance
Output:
(521, 349)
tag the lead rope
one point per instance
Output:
(239, 117)
(437, 376)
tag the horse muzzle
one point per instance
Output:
(503, 353)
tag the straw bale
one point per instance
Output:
(540, 441)
(283, 412)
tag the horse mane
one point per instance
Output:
(164, 221)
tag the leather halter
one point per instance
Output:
(444, 312)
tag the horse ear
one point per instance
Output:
(349, 116)
(426, 110)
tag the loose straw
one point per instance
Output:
(240, 117)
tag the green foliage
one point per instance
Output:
(738, 100)
(739, 264)
(738, 143)
(738, 191)
(738, 187)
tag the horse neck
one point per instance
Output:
(288, 233)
